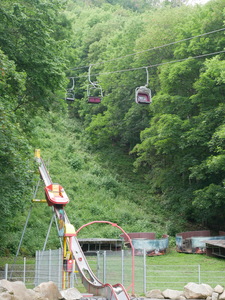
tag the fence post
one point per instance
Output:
(98, 264)
(49, 264)
(104, 266)
(144, 267)
(199, 274)
(122, 271)
(35, 271)
(6, 271)
(60, 270)
(39, 266)
(24, 269)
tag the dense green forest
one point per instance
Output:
(158, 167)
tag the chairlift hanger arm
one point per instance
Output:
(73, 83)
(147, 80)
(89, 76)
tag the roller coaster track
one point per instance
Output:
(89, 280)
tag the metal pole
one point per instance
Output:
(21, 239)
(98, 264)
(35, 274)
(6, 271)
(144, 267)
(39, 266)
(24, 229)
(24, 269)
(60, 268)
(25, 226)
(199, 274)
(49, 228)
(57, 226)
(122, 258)
(104, 266)
(49, 264)
(72, 276)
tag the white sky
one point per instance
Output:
(198, 1)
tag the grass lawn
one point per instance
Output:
(174, 258)
(171, 258)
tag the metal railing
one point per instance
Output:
(19, 272)
(113, 267)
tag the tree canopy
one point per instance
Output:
(176, 143)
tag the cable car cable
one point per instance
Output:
(156, 65)
(151, 49)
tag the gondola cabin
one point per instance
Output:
(55, 194)
(143, 95)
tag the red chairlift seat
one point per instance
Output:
(93, 99)
(94, 93)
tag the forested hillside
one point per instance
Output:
(157, 167)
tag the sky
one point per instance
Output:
(198, 1)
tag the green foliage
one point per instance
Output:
(96, 187)
(26, 37)
(31, 75)
(176, 144)
(15, 152)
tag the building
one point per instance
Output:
(100, 244)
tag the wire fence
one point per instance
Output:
(19, 272)
(114, 267)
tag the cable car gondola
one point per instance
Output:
(70, 93)
(143, 93)
(94, 90)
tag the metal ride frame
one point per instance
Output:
(127, 236)
(72, 250)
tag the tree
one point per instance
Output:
(26, 36)
(188, 113)
(209, 172)
(15, 153)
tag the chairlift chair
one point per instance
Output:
(94, 90)
(70, 96)
(95, 94)
(70, 93)
(143, 93)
